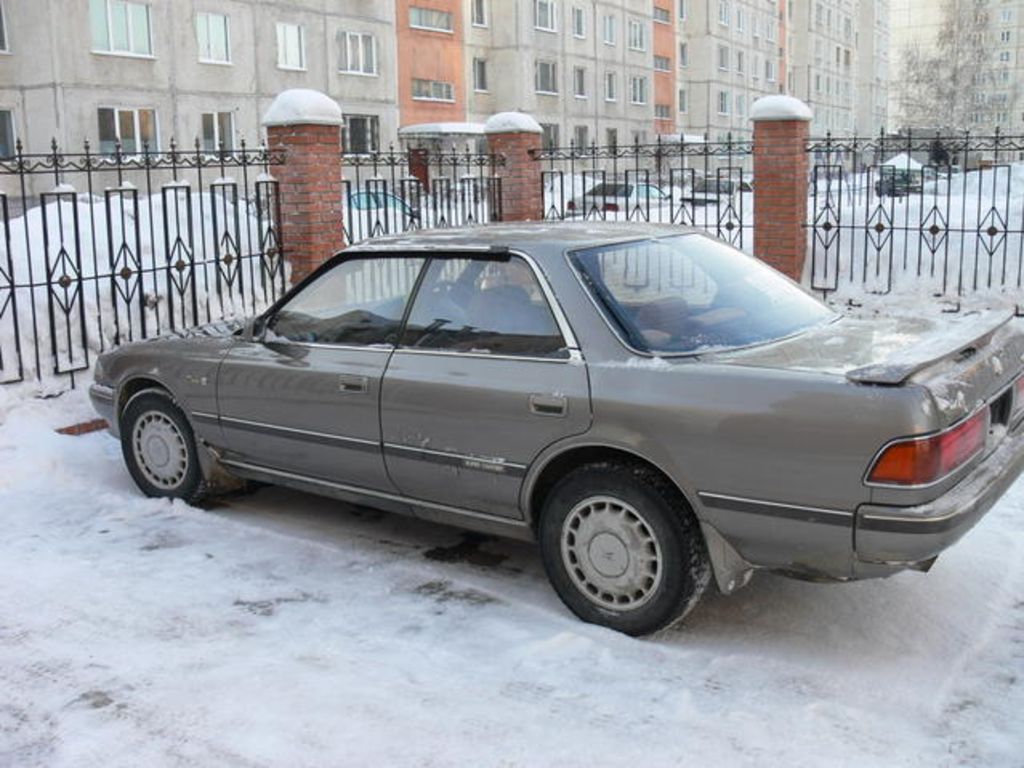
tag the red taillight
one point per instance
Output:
(923, 460)
(611, 207)
(571, 205)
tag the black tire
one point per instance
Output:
(185, 478)
(650, 520)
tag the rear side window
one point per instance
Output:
(358, 302)
(483, 306)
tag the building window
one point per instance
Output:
(357, 53)
(739, 62)
(432, 90)
(428, 18)
(638, 89)
(218, 129)
(741, 105)
(545, 77)
(723, 58)
(662, 64)
(544, 15)
(682, 10)
(579, 82)
(549, 134)
(611, 137)
(662, 16)
(134, 128)
(7, 137)
(579, 22)
(610, 87)
(723, 12)
(682, 100)
(1004, 36)
(121, 27)
(291, 46)
(214, 35)
(609, 30)
(479, 17)
(684, 55)
(4, 43)
(769, 70)
(362, 134)
(637, 35)
(723, 102)
(662, 111)
(741, 20)
(479, 74)
(579, 136)
(1004, 56)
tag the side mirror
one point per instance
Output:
(253, 329)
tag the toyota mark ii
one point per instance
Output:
(656, 409)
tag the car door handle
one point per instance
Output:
(547, 405)
(352, 383)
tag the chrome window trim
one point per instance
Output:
(493, 461)
(359, 490)
(574, 355)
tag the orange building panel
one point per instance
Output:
(665, 82)
(433, 56)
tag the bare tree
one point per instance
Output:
(947, 86)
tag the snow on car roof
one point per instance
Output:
(559, 235)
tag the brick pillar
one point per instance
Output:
(513, 135)
(305, 126)
(781, 128)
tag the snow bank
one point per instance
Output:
(512, 122)
(302, 106)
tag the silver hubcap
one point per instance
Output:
(160, 449)
(611, 553)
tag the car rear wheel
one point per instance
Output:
(622, 547)
(159, 448)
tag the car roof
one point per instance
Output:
(533, 237)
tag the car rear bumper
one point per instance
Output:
(900, 537)
(103, 399)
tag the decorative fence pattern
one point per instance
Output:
(690, 183)
(398, 191)
(939, 215)
(109, 248)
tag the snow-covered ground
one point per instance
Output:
(281, 629)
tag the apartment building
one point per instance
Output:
(730, 54)
(996, 99)
(120, 70)
(873, 67)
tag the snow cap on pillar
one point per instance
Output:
(512, 122)
(303, 106)
(778, 108)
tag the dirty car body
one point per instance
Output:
(504, 369)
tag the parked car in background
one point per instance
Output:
(895, 182)
(372, 213)
(619, 197)
(655, 408)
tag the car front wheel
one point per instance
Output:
(159, 448)
(622, 547)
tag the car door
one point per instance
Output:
(303, 397)
(487, 375)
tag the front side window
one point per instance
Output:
(357, 53)
(690, 293)
(488, 307)
(291, 46)
(214, 37)
(7, 137)
(135, 129)
(358, 302)
(119, 26)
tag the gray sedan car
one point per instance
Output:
(655, 408)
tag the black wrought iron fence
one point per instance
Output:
(100, 249)
(937, 214)
(691, 183)
(397, 191)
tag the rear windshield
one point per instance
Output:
(690, 293)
